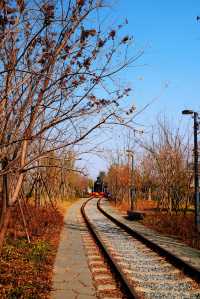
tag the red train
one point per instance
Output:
(98, 194)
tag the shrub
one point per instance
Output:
(39, 251)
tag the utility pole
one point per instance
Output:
(196, 169)
(132, 184)
(196, 173)
(132, 193)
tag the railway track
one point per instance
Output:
(140, 269)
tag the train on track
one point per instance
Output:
(98, 194)
(99, 188)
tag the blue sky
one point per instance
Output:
(170, 35)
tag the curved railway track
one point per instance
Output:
(143, 269)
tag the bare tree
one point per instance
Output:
(170, 173)
(57, 82)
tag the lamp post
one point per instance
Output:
(132, 179)
(196, 173)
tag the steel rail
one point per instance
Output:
(171, 258)
(130, 292)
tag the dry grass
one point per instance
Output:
(26, 269)
(64, 205)
(142, 205)
(179, 226)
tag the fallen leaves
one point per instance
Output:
(26, 269)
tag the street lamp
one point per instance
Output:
(132, 179)
(196, 170)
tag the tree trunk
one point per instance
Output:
(4, 227)
(9, 204)
(5, 199)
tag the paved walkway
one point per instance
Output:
(72, 277)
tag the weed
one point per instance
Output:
(22, 292)
(16, 293)
(8, 252)
(39, 252)
(23, 244)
